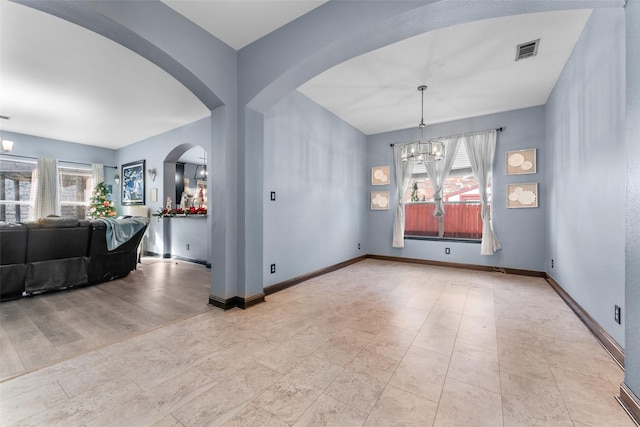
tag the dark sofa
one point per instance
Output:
(58, 253)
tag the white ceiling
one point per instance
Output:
(241, 22)
(470, 70)
(61, 81)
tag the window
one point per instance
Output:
(15, 189)
(462, 219)
(75, 191)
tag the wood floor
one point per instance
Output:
(40, 330)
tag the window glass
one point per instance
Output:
(461, 198)
(75, 191)
(15, 189)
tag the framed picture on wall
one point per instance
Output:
(380, 175)
(522, 195)
(133, 184)
(521, 162)
(380, 200)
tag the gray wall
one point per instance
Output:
(154, 150)
(520, 231)
(314, 163)
(35, 146)
(586, 152)
(632, 295)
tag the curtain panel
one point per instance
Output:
(97, 172)
(438, 172)
(403, 172)
(44, 185)
(481, 148)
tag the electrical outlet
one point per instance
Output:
(187, 246)
(447, 251)
(273, 196)
(551, 262)
(358, 245)
(273, 268)
(616, 315)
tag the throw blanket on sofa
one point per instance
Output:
(119, 231)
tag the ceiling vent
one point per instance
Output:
(526, 50)
(4, 117)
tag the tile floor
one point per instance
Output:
(376, 344)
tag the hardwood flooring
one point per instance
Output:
(44, 329)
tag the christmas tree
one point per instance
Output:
(100, 206)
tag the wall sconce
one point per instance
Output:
(152, 174)
(7, 145)
(116, 178)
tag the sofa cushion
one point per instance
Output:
(57, 222)
(46, 243)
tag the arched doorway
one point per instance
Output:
(185, 186)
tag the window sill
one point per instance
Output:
(444, 239)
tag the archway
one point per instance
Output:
(183, 235)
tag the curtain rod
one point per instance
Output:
(500, 129)
(64, 161)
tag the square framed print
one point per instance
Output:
(522, 195)
(380, 175)
(380, 200)
(133, 184)
(521, 162)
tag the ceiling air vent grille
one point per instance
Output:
(526, 50)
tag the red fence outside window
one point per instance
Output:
(462, 220)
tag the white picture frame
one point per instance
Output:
(522, 195)
(521, 162)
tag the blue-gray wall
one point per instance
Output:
(520, 231)
(35, 146)
(586, 152)
(315, 164)
(154, 151)
(632, 294)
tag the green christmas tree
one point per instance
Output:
(100, 206)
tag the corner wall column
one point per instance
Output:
(630, 390)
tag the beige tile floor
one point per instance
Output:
(375, 344)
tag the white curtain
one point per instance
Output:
(481, 148)
(403, 172)
(97, 172)
(44, 189)
(438, 172)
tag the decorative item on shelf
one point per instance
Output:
(152, 174)
(170, 212)
(7, 145)
(422, 151)
(100, 206)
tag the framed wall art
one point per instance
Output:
(522, 195)
(380, 175)
(133, 184)
(521, 162)
(380, 200)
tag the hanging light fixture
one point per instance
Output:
(422, 151)
(201, 170)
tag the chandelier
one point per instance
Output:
(422, 151)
